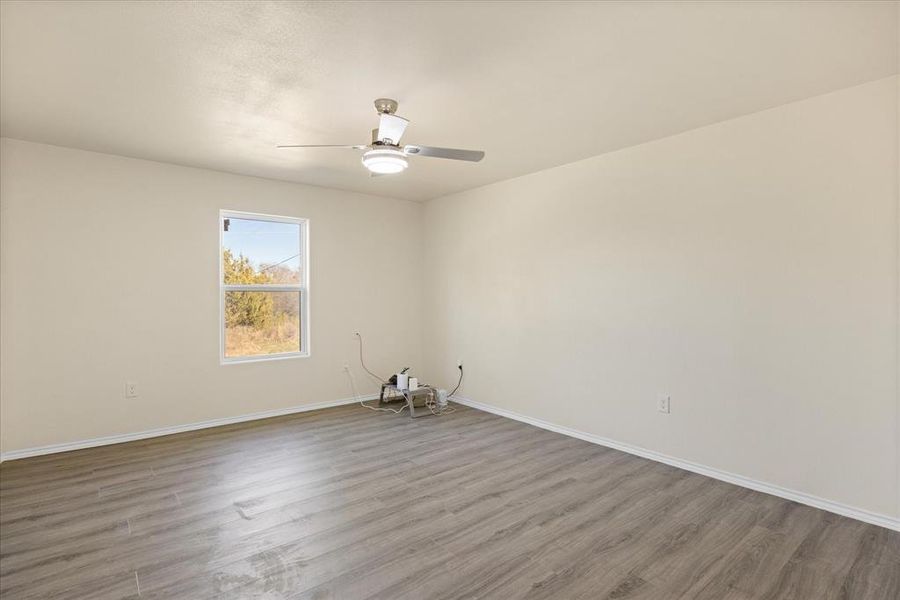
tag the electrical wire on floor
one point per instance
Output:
(438, 408)
(380, 380)
(434, 406)
(432, 402)
(362, 403)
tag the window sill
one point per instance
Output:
(256, 359)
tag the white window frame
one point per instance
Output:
(302, 288)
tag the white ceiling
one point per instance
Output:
(534, 84)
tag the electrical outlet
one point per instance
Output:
(459, 363)
(663, 404)
(130, 389)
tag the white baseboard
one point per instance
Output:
(150, 433)
(814, 501)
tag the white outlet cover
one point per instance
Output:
(664, 404)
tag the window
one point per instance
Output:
(263, 287)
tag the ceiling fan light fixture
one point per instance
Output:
(385, 155)
(385, 161)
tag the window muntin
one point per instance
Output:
(263, 287)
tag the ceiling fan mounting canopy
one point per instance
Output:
(386, 106)
(385, 155)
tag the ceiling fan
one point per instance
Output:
(385, 155)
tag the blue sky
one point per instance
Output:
(263, 242)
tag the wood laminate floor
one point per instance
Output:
(347, 503)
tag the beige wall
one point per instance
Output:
(109, 273)
(748, 269)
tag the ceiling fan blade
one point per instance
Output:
(320, 146)
(451, 153)
(391, 128)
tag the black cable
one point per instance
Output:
(458, 383)
(267, 267)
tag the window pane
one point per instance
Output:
(260, 252)
(261, 323)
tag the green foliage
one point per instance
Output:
(250, 309)
(239, 270)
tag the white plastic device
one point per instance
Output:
(402, 381)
